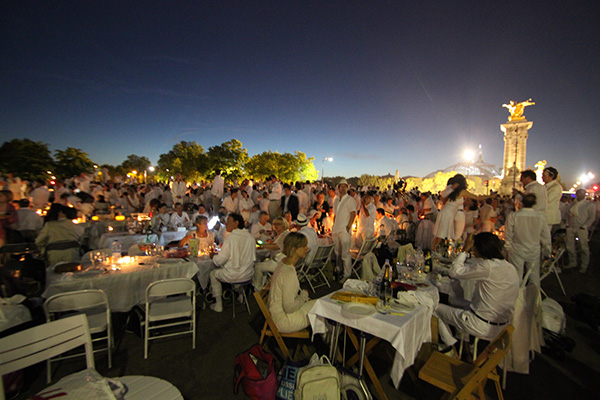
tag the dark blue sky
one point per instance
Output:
(377, 85)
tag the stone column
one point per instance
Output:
(515, 150)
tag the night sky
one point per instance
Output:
(377, 85)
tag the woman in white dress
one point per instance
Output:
(205, 235)
(289, 305)
(450, 222)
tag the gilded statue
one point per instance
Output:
(516, 109)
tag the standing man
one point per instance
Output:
(345, 213)
(531, 185)
(553, 194)
(526, 232)
(178, 189)
(217, 190)
(235, 261)
(231, 202)
(582, 215)
(289, 202)
(274, 197)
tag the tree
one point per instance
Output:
(26, 159)
(72, 162)
(185, 158)
(230, 157)
(287, 167)
(135, 163)
(375, 181)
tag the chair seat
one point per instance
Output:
(170, 307)
(445, 372)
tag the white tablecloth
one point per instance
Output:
(405, 333)
(168, 236)
(124, 288)
(125, 239)
(205, 265)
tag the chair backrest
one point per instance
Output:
(63, 245)
(322, 255)
(76, 301)
(42, 342)
(501, 343)
(485, 364)
(367, 246)
(168, 287)
(261, 299)
(18, 248)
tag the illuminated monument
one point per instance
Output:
(515, 144)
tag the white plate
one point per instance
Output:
(359, 309)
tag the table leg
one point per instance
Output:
(364, 361)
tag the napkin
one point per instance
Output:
(16, 299)
(357, 284)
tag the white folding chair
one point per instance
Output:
(550, 266)
(311, 272)
(93, 303)
(169, 303)
(367, 246)
(43, 342)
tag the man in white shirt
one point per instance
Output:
(217, 189)
(179, 217)
(231, 202)
(28, 220)
(341, 230)
(387, 227)
(39, 196)
(582, 215)
(82, 182)
(275, 198)
(236, 259)
(262, 229)
(311, 235)
(60, 189)
(178, 189)
(526, 232)
(303, 199)
(531, 185)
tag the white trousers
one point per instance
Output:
(574, 234)
(465, 321)
(342, 252)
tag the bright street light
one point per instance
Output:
(469, 155)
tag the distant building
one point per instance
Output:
(478, 168)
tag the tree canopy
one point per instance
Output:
(26, 159)
(185, 158)
(287, 167)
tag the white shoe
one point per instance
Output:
(216, 307)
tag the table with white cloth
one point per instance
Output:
(406, 332)
(125, 288)
(166, 237)
(126, 240)
(95, 229)
(205, 264)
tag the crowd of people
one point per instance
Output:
(272, 213)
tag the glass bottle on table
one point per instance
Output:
(385, 288)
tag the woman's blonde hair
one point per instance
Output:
(283, 222)
(293, 241)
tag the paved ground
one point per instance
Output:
(207, 371)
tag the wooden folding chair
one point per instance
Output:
(270, 329)
(465, 380)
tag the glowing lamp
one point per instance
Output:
(95, 218)
(120, 218)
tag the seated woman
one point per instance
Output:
(206, 237)
(280, 227)
(496, 291)
(288, 305)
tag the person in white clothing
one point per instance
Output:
(581, 216)
(496, 291)
(280, 227)
(303, 199)
(527, 237)
(217, 190)
(553, 194)
(288, 305)
(179, 217)
(235, 261)
(245, 205)
(366, 220)
(313, 239)
(178, 189)
(231, 202)
(275, 197)
(531, 185)
(341, 230)
(40, 196)
(262, 229)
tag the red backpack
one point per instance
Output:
(256, 370)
